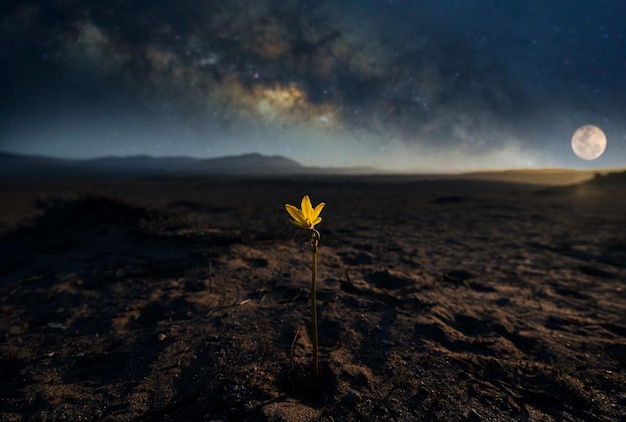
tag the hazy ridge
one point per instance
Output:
(18, 166)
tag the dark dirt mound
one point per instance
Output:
(617, 179)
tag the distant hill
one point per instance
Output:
(32, 166)
(610, 180)
(251, 163)
(141, 162)
(535, 177)
(17, 166)
(236, 164)
(612, 183)
(27, 166)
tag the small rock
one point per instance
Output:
(237, 394)
(352, 397)
(457, 275)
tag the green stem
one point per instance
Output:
(314, 241)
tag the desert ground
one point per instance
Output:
(184, 299)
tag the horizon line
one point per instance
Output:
(373, 169)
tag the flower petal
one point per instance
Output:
(307, 209)
(316, 221)
(295, 213)
(318, 209)
(299, 224)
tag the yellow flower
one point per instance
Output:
(306, 217)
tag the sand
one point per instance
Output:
(188, 299)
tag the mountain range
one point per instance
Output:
(30, 166)
(17, 166)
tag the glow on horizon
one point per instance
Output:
(110, 133)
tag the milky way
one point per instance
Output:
(409, 85)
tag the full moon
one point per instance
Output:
(589, 142)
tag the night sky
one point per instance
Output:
(423, 86)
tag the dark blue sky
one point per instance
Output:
(403, 84)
